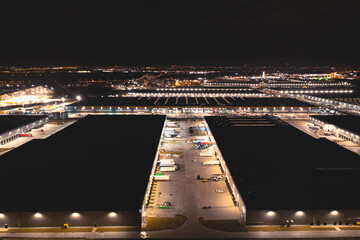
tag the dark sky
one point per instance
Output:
(261, 32)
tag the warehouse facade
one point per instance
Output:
(11, 126)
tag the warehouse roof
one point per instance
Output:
(192, 101)
(9, 122)
(276, 166)
(200, 89)
(99, 163)
(349, 122)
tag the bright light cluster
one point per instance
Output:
(317, 91)
(203, 89)
(198, 95)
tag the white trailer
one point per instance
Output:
(208, 152)
(170, 122)
(171, 125)
(172, 139)
(201, 139)
(166, 160)
(161, 177)
(214, 162)
(167, 164)
(169, 155)
(172, 129)
(167, 169)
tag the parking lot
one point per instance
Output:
(194, 189)
(47, 130)
(304, 125)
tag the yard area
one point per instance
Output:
(163, 223)
(234, 226)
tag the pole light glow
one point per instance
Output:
(334, 212)
(112, 214)
(270, 213)
(38, 215)
(75, 214)
(299, 213)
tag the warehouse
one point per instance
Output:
(280, 170)
(200, 103)
(13, 125)
(345, 127)
(93, 172)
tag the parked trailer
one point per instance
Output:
(195, 141)
(167, 164)
(172, 129)
(169, 155)
(172, 135)
(166, 160)
(199, 128)
(172, 139)
(25, 135)
(171, 125)
(214, 162)
(204, 138)
(162, 177)
(207, 152)
(167, 169)
(199, 139)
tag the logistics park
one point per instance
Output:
(230, 159)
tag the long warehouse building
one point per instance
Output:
(284, 175)
(93, 172)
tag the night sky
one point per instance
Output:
(218, 33)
